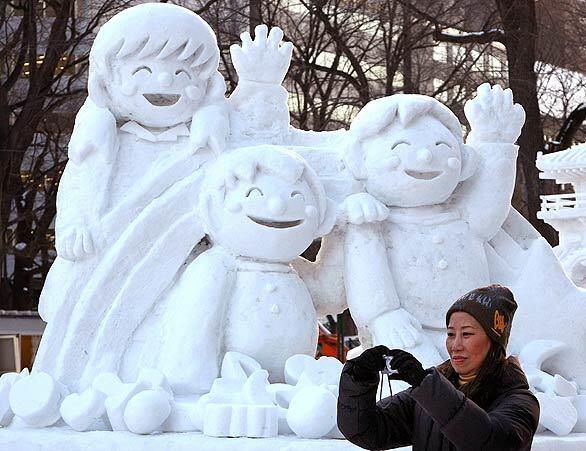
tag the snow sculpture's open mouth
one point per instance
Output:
(162, 99)
(422, 175)
(276, 224)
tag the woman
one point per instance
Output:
(477, 400)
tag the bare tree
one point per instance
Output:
(43, 63)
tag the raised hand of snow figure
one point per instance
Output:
(261, 65)
(493, 116)
(263, 60)
(445, 200)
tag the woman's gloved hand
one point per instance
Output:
(368, 364)
(408, 368)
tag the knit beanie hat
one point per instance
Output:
(493, 307)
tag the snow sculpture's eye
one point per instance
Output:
(442, 143)
(297, 195)
(253, 192)
(398, 143)
(181, 71)
(141, 68)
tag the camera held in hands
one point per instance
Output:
(388, 369)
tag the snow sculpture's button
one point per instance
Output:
(269, 288)
(442, 264)
(275, 309)
(437, 239)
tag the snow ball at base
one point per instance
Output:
(312, 412)
(146, 411)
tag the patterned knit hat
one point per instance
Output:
(493, 307)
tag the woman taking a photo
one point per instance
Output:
(477, 400)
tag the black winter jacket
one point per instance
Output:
(437, 417)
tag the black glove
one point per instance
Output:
(368, 364)
(409, 368)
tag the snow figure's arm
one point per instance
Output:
(94, 132)
(324, 278)
(496, 123)
(370, 289)
(190, 353)
(210, 123)
(83, 186)
(258, 105)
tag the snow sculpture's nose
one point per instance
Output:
(165, 79)
(276, 205)
(424, 155)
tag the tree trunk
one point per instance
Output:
(520, 26)
(408, 85)
(254, 15)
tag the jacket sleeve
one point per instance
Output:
(388, 424)
(508, 427)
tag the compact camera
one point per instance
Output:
(388, 369)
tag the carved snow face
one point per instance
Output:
(413, 165)
(269, 218)
(155, 93)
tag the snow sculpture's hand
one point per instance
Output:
(94, 132)
(493, 116)
(75, 243)
(209, 127)
(397, 329)
(361, 208)
(264, 60)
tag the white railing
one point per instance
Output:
(557, 202)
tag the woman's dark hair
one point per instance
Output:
(480, 389)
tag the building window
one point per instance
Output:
(440, 52)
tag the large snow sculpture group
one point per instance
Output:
(147, 330)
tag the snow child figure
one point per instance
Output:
(262, 207)
(445, 200)
(156, 113)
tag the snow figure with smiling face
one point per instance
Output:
(155, 116)
(445, 201)
(262, 207)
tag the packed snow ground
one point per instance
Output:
(24, 439)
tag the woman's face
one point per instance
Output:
(467, 343)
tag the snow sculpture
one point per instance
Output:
(7, 381)
(449, 228)
(262, 207)
(242, 403)
(238, 404)
(156, 114)
(556, 395)
(140, 407)
(567, 212)
(445, 199)
(310, 398)
(36, 398)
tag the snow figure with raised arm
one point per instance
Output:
(448, 228)
(155, 116)
(446, 200)
(262, 207)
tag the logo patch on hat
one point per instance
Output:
(499, 322)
